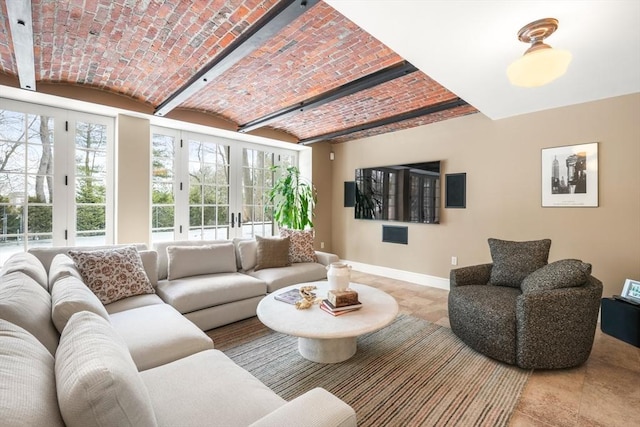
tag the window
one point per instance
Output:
(207, 187)
(257, 180)
(163, 208)
(91, 158)
(54, 178)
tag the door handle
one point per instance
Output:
(233, 221)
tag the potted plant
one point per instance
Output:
(293, 199)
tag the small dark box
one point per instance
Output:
(349, 194)
(621, 319)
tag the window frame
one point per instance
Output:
(63, 222)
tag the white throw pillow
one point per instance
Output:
(187, 261)
(150, 264)
(25, 303)
(97, 382)
(62, 266)
(113, 274)
(69, 296)
(248, 251)
(28, 390)
(29, 264)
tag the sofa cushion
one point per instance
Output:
(25, 303)
(28, 388)
(277, 278)
(29, 265)
(198, 292)
(301, 245)
(272, 252)
(97, 381)
(69, 296)
(567, 273)
(513, 261)
(158, 334)
(133, 302)
(46, 254)
(208, 388)
(186, 261)
(149, 260)
(113, 274)
(161, 249)
(247, 251)
(62, 266)
(236, 241)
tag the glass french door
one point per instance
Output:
(258, 179)
(92, 160)
(54, 177)
(208, 188)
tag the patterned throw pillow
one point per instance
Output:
(113, 274)
(272, 252)
(513, 261)
(301, 246)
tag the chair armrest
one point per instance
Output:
(472, 275)
(556, 328)
(325, 258)
(317, 408)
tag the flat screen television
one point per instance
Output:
(408, 193)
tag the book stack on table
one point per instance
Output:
(341, 302)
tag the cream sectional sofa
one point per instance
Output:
(67, 359)
(229, 289)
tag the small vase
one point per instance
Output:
(338, 275)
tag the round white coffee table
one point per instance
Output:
(322, 337)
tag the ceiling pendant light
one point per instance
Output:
(540, 64)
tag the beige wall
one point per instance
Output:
(322, 170)
(133, 170)
(502, 162)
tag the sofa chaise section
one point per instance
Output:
(154, 332)
(182, 393)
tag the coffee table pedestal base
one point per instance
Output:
(330, 350)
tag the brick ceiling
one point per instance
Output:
(147, 50)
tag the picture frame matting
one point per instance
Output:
(570, 176)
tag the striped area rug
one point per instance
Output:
(411, 373)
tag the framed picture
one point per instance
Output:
(631, 290)
(570, 176)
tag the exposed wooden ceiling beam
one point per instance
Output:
(442, 106)
(281, 15)
(366, 82)
(21, 27)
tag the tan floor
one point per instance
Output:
(605, 391)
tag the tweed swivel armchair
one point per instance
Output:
(525, 312)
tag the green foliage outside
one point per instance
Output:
(162, 216)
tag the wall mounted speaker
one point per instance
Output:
(349, 194)
(393, 234)
(456, 190)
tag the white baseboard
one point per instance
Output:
(407, 276)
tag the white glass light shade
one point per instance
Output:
(539, 67)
